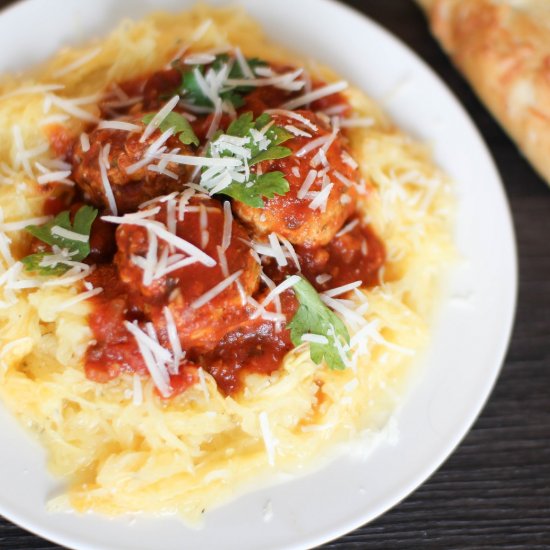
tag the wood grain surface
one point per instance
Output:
(494, 491)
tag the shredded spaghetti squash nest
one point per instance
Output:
(195, 451)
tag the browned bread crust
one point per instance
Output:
(503, 48)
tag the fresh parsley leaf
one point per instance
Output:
(278, 135)
(241, 126)
(233, 97)
(314, 317)
(181, 126)
(78, 249)
(82, 224)
(263, 120)
(261, 144)
(266, 185)
(272, 153)
(33, 263)
(193, 92)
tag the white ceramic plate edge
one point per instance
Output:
(331, 531)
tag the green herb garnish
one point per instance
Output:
(257, 142)
(314, 317)
(243, 126)
(76, 249)
(179, 123)
(38, 263)
(193, 92)
(267, 185)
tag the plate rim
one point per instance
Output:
(431, 467)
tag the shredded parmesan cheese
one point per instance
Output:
(218, 289)
(227, 225)
(85, 142)
(159, 117)
(149, 350)
(118, 125)
(280, 288)
(315, 338)
(278, 253)
(67, 234)
(315, 95)
(320, 201)
(103, 167)
(308, 182)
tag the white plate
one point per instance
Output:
(469, 341)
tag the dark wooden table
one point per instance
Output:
(494, 492)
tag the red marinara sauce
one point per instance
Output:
(242, 344)
(115, 351)
(251, 346)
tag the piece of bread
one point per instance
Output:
(503, 48)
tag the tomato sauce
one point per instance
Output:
(224, 338)
(357, 255)
(253, 346)
(114, 350)
(58, 201)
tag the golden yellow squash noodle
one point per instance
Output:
(195, 451)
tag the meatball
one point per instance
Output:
(130, 185)
(201, 321)
(299, 216)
